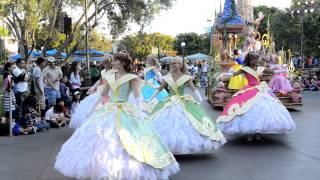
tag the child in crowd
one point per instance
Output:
(66, 110)
(64, 91)
(75, 102)
(55, 116)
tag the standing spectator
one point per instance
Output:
(52, 75)
(75, 102)
(94, 73)
(21, 85)
(315, 62)
(75, 80)
(309, 61)
(204, 73)
(39, 84)
(7, 89)
(64, 91)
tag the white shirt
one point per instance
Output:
(52, 116)
(37, 74)
(23, 85)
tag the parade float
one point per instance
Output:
(231, 32)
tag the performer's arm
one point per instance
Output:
(238, 72)
(196, 93)
(163, 85)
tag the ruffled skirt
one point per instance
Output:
(84, 109)
(95, 151)
(280, 83)
(178, 133)
(266, 116)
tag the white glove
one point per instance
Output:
(154, 95)
(139, 106)
(94, 87)
(159, 77)
(197, 95)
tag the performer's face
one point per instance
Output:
(175, 66)
(116, 64)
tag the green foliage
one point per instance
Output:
(194, 43)
(3, 31)
(286, 30)
(140, 45)
(270, 13)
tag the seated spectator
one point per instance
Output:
(25, 125)
(64, 91)
(66, 112)
(313, 85)
(75, 102)
(30, 103)
(55, 116)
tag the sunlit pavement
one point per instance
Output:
(287, 157)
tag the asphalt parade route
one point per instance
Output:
(286, 157)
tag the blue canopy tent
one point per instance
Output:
(197, 57)
(34, 54)
(52, 52)
(92, 52)
(168, 59)
(78, 59)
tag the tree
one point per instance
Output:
(24, 17)
(140, 45)
(285, 29)
(194, 43)
(270, 13)
(3, 31)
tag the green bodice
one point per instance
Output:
(192, 109)
(177, 91)
(137, 135)
(121, 93)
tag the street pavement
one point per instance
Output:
(280, 157)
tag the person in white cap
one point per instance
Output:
(75, 102)
(52, 75)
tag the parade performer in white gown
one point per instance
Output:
(153, 77)
(116, 142)
(182, 123)
(88, 104)
(254, 110)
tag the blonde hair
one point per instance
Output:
(153, 59)
(184, 66)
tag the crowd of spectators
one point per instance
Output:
(309, 83)
(44, 94)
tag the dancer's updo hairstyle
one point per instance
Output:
(125, 59)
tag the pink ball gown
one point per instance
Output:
(254, 110)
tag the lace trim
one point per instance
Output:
(236, 110)
(205, 126)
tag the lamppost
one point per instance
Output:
(302, 7)
(183, 45)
